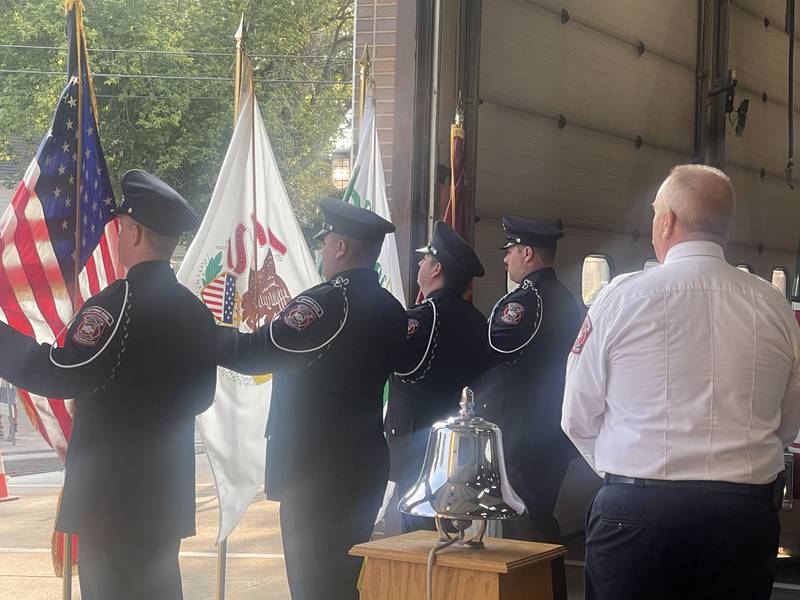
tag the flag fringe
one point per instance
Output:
(57, 545)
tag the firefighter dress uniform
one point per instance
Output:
(531, 331)
(138, 360)
(331, 351)
(445, 351)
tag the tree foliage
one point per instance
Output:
(176, 127)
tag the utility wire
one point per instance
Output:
(178, 52)
(177, 77)
(132, 97)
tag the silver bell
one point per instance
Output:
(463, 477)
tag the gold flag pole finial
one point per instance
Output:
(364, 68)
(237, 91)
(460, 111)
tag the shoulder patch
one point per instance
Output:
(413, 327)
(93, 323)
(302, 312)
(583, 335)
(512, 313)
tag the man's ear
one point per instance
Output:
(138, 233)
(341, 248)
(437, 269)
(670, 220)
(527, 253)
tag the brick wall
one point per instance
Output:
(376, 25)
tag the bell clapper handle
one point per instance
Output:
(467, 412)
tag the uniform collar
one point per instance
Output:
(546, 274)
(444, 293)
(357, 276)
(694, 248)
(150, 268)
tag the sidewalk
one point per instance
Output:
(30, 453)
(28, 439)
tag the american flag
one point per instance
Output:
(219, 295)
(66, 187)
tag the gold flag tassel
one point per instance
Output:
(57, 545)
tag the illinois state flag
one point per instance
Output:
(246, 262)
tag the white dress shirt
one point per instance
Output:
(686, 371)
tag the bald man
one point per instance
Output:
(682, 390)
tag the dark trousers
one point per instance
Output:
(129, 569)
(538, 485)
(319, 526)
(665, 543)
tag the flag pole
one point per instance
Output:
(257, 290)
(434, 114)
(222, 547)
(67, 595)
(364, 65)
(364, 68)
(237, 89)
(222, 554)
(77, 7)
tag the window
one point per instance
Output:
(650, 263)
(594, 277)
(745, 267)
(780, 279)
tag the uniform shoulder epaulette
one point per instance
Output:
(312, 320)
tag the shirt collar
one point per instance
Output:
(694, 248)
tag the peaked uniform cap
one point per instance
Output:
(530, 233)
(453, 251)
(156, 205)
(352, 221)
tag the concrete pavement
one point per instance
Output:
(255, 564)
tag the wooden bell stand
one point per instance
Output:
(395, 568)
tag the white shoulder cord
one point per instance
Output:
(340, 283)
(430, 341)
(108, 341)
(525, 286)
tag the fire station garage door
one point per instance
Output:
(584, 112)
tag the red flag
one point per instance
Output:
(455, 213)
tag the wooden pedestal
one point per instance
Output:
(395, 568)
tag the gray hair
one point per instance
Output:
(701, 197)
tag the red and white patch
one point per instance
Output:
(583, 335)
(301, 313)
(512, 313)
(413, 326)
(94, 321)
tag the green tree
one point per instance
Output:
(179, 126)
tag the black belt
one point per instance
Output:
(771, 492)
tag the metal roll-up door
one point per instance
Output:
(586, 107)
(765, 229)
